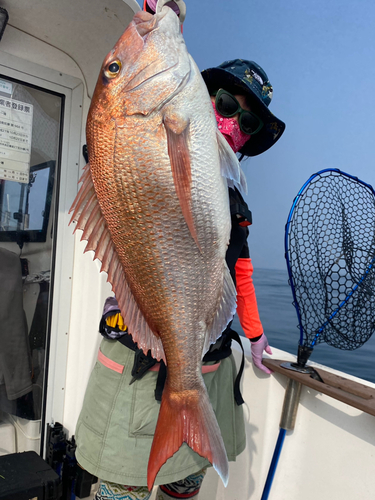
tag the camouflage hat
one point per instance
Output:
(252, 80)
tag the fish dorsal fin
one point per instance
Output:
(89, 218)
(225, 311)
(179, 156)
(230, 166)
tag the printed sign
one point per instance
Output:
(16, 119)
(6, 87)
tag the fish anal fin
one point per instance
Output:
(177, 137)
(187, 417)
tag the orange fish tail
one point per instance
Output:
(187, 417)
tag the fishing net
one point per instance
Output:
(330, 252)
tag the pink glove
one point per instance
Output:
(257, 349)
(172, 5)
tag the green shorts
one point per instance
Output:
(117, 422)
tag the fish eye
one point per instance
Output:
(112, 69)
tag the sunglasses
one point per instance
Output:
(227, 105)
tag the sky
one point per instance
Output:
(320, 58)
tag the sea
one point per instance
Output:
(280, 324)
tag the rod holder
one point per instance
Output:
(290, 405)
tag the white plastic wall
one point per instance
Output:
(330, 454)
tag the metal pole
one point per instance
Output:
(287, 423)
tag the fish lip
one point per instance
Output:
(141, 22)
(146, 25)
(166, 11)
(161, 15)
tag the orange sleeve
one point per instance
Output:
(247, 308)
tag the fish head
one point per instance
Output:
(144, 70)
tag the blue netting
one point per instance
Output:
(330, 251)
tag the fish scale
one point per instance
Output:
(154, 208)
(137, 195)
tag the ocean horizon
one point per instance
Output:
(280, 324)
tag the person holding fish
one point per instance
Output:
(154, 208)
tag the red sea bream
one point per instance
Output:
(154, 208)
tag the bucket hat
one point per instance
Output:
(248, 76)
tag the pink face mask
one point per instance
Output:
(230, 128)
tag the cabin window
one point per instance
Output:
(30, 148)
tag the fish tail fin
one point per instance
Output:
(187, 417)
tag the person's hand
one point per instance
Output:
(257, 349)
(172, 5)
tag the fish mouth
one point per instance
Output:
(146, 22)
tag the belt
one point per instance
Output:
(142, 363)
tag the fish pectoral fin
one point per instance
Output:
(90, 219)
(177, 137)
(230, 166)
(187, 417)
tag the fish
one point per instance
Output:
(153, 206)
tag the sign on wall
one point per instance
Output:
(16, 119)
